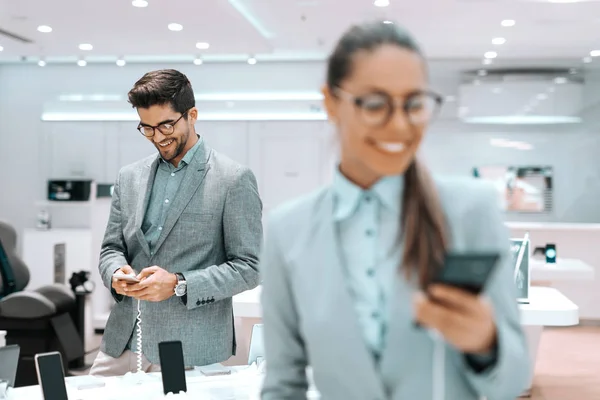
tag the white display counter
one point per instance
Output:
(565, 269)
(547, 307)
(243, 383)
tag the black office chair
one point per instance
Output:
(38, 321)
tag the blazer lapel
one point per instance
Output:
(194, 176)
(146, 180)
(338, 304)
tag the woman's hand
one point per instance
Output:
(465, 320)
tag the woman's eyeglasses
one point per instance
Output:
(376, 109)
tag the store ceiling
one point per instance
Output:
(292, 29)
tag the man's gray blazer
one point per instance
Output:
(212, 234)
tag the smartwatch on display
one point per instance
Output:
(181, 287)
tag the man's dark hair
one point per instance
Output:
(165, 86)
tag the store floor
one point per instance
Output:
(568, 366)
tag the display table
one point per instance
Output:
(244, 383)
(565, 269)
(547, 307)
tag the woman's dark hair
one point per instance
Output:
(165, 86)
(423, 221)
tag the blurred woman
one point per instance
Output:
(345, 268)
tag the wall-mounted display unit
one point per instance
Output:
(524, 189)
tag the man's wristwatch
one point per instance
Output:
(181, 287)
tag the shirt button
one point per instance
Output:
(370, 232)
(167, 201)
(375, 315)
(172, 173)
(367, 198)
(371, 272)
(160, 228)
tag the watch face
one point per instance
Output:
(180, 289)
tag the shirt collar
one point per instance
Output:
(348, 196)
(189, 156)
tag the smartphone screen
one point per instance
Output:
(50, 376)
(551, 253)
(468, 271)
(172, 367)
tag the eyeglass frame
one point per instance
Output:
(141, 126)
(395, 102)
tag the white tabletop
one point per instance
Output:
(548, 307)
(565, 269)
(247, 304)
(243, 383)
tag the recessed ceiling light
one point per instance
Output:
(175, 27)
(197, 61)
(387, 22)
(1, 48)
(498, 41)
(487, 61)
(560, 80)
(587, 59)
(381, 3)
(595, 53)
(251, 60)
(508, 23)
(85, 47)
(42, 63)
(490, 54)
(44, 29)
(121, 62)
(82, 63)
(202, 45)
(139, 3)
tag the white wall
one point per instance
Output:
(32, 150)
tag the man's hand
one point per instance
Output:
(121, 286)
(156, 285)
(465, 320)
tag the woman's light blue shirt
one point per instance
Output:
(368, 224)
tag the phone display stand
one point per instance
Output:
(521, 254)
(180, 395)
(139, 377)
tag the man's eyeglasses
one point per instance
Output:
(376, 109)
(166, 128)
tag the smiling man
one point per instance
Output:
(187, 224)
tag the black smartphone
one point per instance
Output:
(467, 271)
(172, 367)
(551, 253)
(50, 375)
